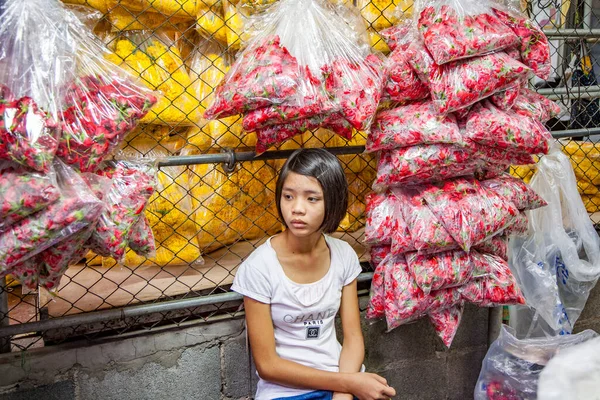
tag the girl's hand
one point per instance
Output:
(342, 396)
(367, 386)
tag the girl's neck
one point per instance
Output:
(301, 245)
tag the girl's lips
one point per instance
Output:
(298, 224)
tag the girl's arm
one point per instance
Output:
(353, 347)
(275, 369)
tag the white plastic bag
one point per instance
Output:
(573, 374)
(511, 368)
(558, 262)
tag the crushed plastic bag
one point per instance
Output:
(76, 209)
(23, 192)
(157, 62)
(446, 323)
(457, 29)
(412, 124)
(557, 262)
(512, 368)
(490, 126)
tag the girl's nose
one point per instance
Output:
(298, 207)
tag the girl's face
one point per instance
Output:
(302, 204)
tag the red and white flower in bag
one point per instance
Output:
(534, 105)
(264, 74)
(446, 322)
(519, 226)
(28, 135)
(395, 36)
(356, 87)
(457, 29)
(402, 83)
(534, 47)
(470, 213)
(23, 192)
(412, 124)
(378, 253)
(376, 307)
(141, 238)
(427, 234)
(499, 287)
(490, 126)
(382, 218)
(516, 191)
(276, 134)
(132, 186)
(441, 270)
(405, 301)
(506, 99)
(423, 163)
(498, 245)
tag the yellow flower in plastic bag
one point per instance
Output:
(178, 8)
(122, 19)
(211, 24)
(235, 25)
(233, 206)
(377, 43)
(161, 68)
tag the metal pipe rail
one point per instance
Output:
(128, 312)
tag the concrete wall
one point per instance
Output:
(211, 362)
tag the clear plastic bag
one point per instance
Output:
(498, 245)
(283, 78)
(573, 372)
(440, 270)
(457, 29)
(141, 238)
(383, 218)
(557, 262)
(131, 188)
(533, 47)
(446, 322)
(516, 191)
(412, 124)
(23, 192)
(491, 126)
(512, 368)
(423, 163)
(76, 209)
(534, 105)
(376, 307)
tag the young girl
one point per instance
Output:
(295, 283)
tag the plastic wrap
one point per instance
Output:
(498, 245)
(76, 209)
(378, 253)
(132, 185)
(534, 47)
(23, 193)
(141, 238)
(497, 287)
(558, 262)
(512, 368)
(441, 270)
(423, 163)
(490, 126)
(446, 323)
(457, 29)
(470, 213)
(412, 124)
(377, 299)
(155, 59)
(516, 191)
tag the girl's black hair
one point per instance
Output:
(325, 168)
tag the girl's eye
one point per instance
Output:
(287, 196)
(313, 199)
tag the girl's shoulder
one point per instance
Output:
(262, 258)
(340, 246)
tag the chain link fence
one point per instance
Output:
(215, 201)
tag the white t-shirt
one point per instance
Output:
(303, 314)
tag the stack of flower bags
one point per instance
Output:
(59, 194)
(438, 225)
(285, 85)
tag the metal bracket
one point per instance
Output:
(229, 166)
